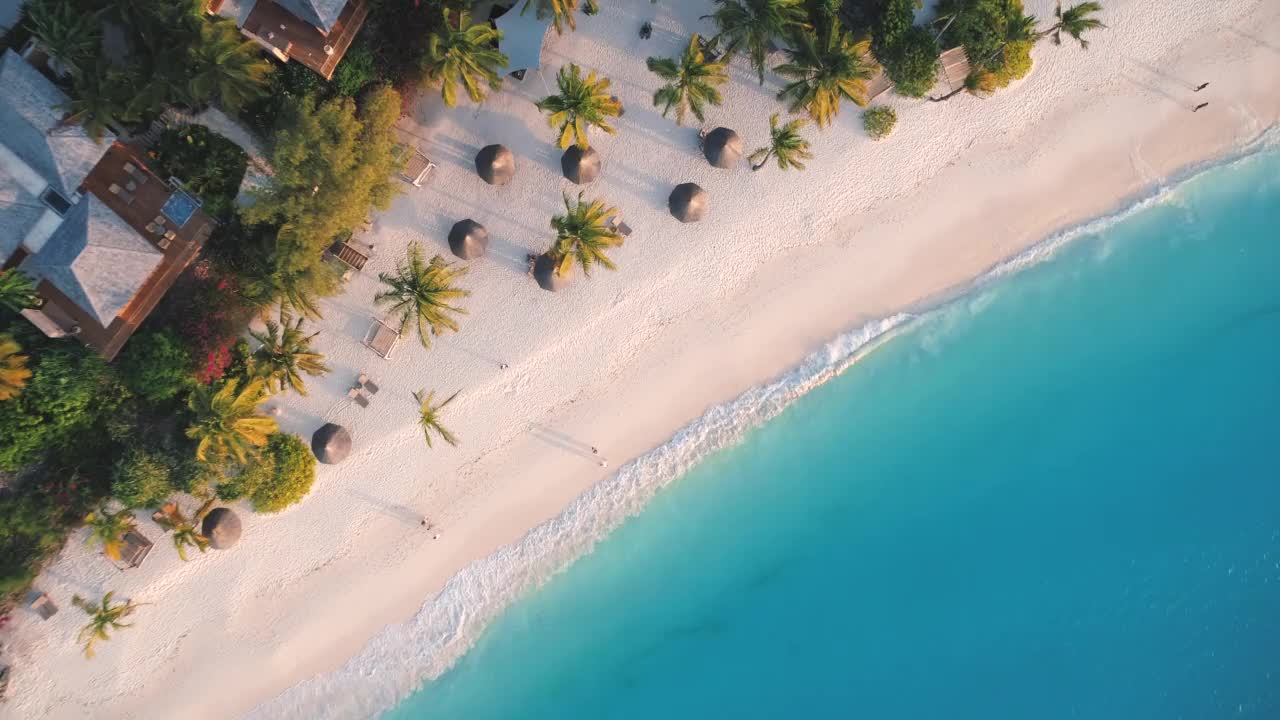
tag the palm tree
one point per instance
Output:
(226, 421)
(560, 11)
(185, 534)
(692, 82)
(785, 144)
(978, 83)
(17, 292)
(466, 55)
(1075, 21)
(584, 236)
(286, 354)
(13, 368)
(420, 293)
(823, 69)
(109, 529)
(1018, 27)
(69, 36)
(103, 616)
(99, 100)
(753, 26)
(580, 104)
(225, 67)
(429, 418)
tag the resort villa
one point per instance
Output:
(98, 232)
(315, 33)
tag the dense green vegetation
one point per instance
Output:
(280, 476)
(879, 121)
(209, 165)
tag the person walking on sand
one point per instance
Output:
(1201, 86)
(604, 463)
(1197, 108)
(594, 451)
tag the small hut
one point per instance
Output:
(495, 164)
(468, 239)
(688, 202)
(136, 548)
(331, 444)
(580, 166)
(222, 527)
(544, 271)
(723, 148)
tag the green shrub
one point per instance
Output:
(72, 403)
(208, 164)
(279, 477)
(155, 365)
(32, 525)
(354, 72)
(896, 18)
(912, 62)
(1017, 63)
(141, 479)
(879, 121)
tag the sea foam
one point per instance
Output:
(400, 658)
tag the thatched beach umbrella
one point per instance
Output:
(688, 202)
(544, 271)
(723, 148)
(331, 444)
(580, 166)
(468, 239)
(496, 164)
(222, 527)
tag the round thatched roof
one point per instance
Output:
(544, 271)
(580, 166)
(688, 202)
(723, 148)
(496, 164)
(222, 527)
(468, 239)
(331, 444)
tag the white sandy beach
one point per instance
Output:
(695, 315)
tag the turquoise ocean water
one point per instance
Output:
(1056, 497)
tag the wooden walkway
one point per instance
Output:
(953, 68)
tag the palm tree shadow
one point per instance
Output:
(1156, 90)
(561, 441)
(403, 513)
(1254, 39)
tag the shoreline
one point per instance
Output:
(922, 246)
(614, 500)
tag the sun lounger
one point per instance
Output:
(355, 394)
(41, 604)
(137, 175)
(136, 548)
(382, 339)
(364, 383)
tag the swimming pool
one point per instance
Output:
(180, 207)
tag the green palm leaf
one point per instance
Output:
(226, 423)
(286, 355)
(824, 69)
(692, 81)
(581, 103)
(785, 145)
(464, 54)
(752, 26)
(429, 416)
(420, 293)
(584, 236)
